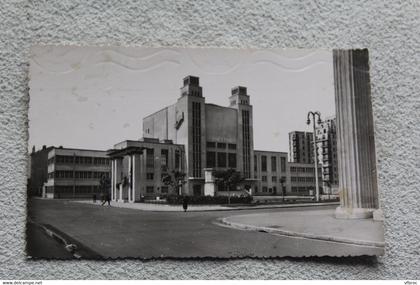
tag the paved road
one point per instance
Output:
(117, 232)
(40, 245)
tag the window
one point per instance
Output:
(264, 178)
(273, 164)
(232, 160)
(150, 158)
(164, 153)
(263, 163)
(283, 164)
(221, 159)
(232, 146)
(211, 144)
(211, 159)
(150, 189)
(274, 179)
(149, 176)
(264, 189)
(221, 145)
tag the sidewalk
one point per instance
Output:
(312, 224)
(195, 208)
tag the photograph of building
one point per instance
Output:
(180, 153)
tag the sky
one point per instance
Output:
(95, 97)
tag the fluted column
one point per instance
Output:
(112, 180)
(355, 141)
(130, 157)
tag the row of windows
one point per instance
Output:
(302, 179)
(78, 174)
(79, 160)
(273, 179)
(80, 189)
(221, 159)
(303, 169)
(273, 160)
(221, 145)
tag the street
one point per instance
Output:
(118, 232)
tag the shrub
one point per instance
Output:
(208, 200)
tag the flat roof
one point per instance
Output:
(78, 149)
(272, 151)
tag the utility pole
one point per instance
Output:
(308, 122)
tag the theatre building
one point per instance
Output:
(214, 137)
(76, 173)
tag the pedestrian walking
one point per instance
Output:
(185, 203)
(107, 198)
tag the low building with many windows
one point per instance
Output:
(77, 173)
(270, 173)
(301, 179)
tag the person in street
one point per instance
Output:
(185, 203)
(107, 198)
(94, 198)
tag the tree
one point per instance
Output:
(175, 180)
(228, 179)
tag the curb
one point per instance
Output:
(191, 208)
(70, 247)
(225, 223)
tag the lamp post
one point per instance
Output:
(308, 122)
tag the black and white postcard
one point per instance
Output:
(196, 152)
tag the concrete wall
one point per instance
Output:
(221, 124)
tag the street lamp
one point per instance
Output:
(308, 122)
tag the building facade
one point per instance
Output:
(76, 173)
(270, 173)
(301, 178)
(326, 137)
(301, 148)
(137, 168)
(214, 136)
(38, 170)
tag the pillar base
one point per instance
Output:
(378, 215)
(353, 213)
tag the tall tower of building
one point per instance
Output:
(301, 148)
(240, 100)
(190, 125)
(326, 137)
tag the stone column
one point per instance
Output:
(355, 142)
(134, 177)
(129, 172)
(112, 180)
